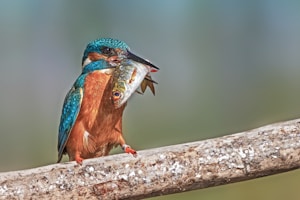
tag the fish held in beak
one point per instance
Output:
(132, 73)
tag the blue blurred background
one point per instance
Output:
(226, 66)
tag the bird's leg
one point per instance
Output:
(76, 157)
(126, 148)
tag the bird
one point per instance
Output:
(90, 126)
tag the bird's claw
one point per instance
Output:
(127, 149)
(79, 160)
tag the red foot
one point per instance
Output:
(79, 160)
(127, 149)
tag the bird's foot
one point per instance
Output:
(79, 160)
(127, 149)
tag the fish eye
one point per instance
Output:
(117, 95)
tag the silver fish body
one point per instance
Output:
(127, 78)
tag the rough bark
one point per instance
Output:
(260, 152)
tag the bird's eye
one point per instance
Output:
(106, 50)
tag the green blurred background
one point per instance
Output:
(226, 66)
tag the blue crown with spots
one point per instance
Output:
(96, 45)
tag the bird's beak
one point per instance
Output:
(134, 57)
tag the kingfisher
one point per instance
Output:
(90, 126)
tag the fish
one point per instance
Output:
(148, 82)
(128, 76)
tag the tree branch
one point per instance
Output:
(264, 151)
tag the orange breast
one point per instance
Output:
(99, 125)
(94, 88)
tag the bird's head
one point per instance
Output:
(113, 51)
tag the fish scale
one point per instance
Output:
(127, 78)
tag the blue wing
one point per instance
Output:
(72, 105)
(69, 114)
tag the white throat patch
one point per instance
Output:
(86, 62)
